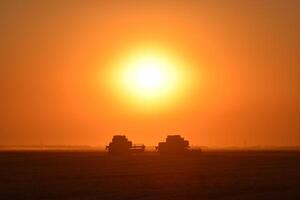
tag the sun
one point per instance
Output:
(149, 76)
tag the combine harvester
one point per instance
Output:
(175, 145)
(120, 145)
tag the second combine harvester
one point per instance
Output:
(174, 144)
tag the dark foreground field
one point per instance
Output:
(95, 175)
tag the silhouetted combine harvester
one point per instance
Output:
(175, 145)
(120, 145)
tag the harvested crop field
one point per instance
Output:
(96, 175)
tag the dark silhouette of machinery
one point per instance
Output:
(120, 145)
(175, 144)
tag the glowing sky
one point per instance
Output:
(224, 73)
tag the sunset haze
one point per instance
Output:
(222, 73)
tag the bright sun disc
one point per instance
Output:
(149, 76)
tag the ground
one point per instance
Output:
(96, 175)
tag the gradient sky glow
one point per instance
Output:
(245, 57)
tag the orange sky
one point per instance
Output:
(54, 54)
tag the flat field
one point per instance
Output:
(96, 175)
